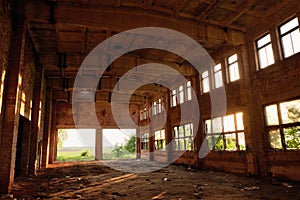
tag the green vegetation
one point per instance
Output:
(74, 154)
(128, 150)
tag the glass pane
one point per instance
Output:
(292, 137)
(187, 128)
(162, 133)
(181, 144)
(275, 139)
(290, 111)
(217, 125)
(232, 58)
(229, 123)
(176, 144)
(181, 133)
(218, 79)
(188, 90)
(219, 143)
(204, 74)
(208, 126)
(157, 135)
(264, 40)
(175, 132)
(270, 54)
(287, 46)
(289, 25)
(263, 61)
(210, 142)
(239, 121)
(230, 141)
(271, 115)
(217, 67)
(296, 40)
(234, 72)
(241, 140)
(205, 83)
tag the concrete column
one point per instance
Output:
(10, 114)
(47, 128)
(53, 132)
(99, 144)
(168, 128)
(35, 120)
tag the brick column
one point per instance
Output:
(10, 114)
(47, 127)
(53, 133)
(35, 119)
(199, 136)
(151, 132)
(138, 143)
(98, 150)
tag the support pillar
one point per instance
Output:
(138, 143)
(98, 150)
(168, 128)
(10, 108)
(53, 133)
(35, 120)
(47, 128)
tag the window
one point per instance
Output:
(264, 51)
(183, 136)
(159, 140)
(154, 108)
(143, 113)
(283, 124)
(233, 68)
(188, 91)
(159, 105)
(180, 94)
(205, 82)
(183, 93)
(173, 98)
(145, 141)
(290, 37)
(218, 80)
(226, 133)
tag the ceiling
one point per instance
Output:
(70, 29)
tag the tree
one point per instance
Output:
(130, 145)
(62, 136)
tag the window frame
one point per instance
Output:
(230, 64)
(160, 143)
(287, 33)
(206, 78)
(144, 141)
(184, 137)
(264, 46)
(215, 72)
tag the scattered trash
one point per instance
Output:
(119, 194)
(198, 188)
(166, 179)
(189, 168)
(68, 176)
(253, 188)
(287, 185)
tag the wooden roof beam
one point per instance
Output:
(180, 6)
(208, 10)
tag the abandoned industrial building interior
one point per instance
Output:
(230, 129)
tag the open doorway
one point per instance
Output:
(119, 144)
(76, 145)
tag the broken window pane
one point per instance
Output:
(292, 137)
(275, 139)
(241, 140)
(230, 141)
(290, 111)
(272, 115)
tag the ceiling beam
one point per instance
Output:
(241, 9)
(180, 6)
(126, 18)
(148, 4)
(208, 10)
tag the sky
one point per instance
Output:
(87, 137)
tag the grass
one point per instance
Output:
(74, 154)
(108, 154)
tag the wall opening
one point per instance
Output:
(76, 145)
(119, 144)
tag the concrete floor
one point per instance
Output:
(96, 180)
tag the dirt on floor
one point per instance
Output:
(96, 180)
